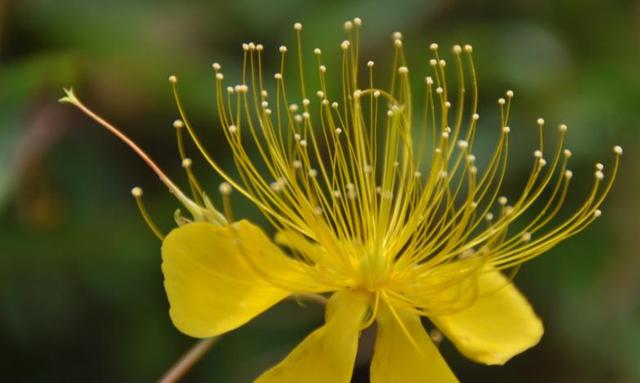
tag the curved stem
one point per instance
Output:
(188, 360)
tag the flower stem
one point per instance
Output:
(188, 360)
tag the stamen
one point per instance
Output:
(136, 192)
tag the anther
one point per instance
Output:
(297, 26)
(216, 66)
(334, 105)
(542, 162)
(506, 129)
(278, 76)
(230, 90)
(475, 117)
(502, 200)
(173, 79)
(439, 90)
(433, 46)
(442, 63)
(232, 129)
(428, 80)
(303, 143)
(457, 49)
(259, 47)
(568, 174)
(370, 64)
(397, 35)
(245, 47)
(320, 94)
(597, 213)
(317, 51)
(509, 93)
(224, 188)
(462, 144)
(417, 174)
(599, 175)
(501, 101)
(345, 45)
(540, 121)
(219, 76)
(562, 128)
(599, 166)
(468, 48)
(397, 43)
(178, 124)
(403, 70)
(489, 216)
(348, 25)
(282, 49)
(322, 68)
(473, 170)
(186, 163)
(306, 102)
(526, 237)
(447, 104)
(617, 149)
(136, 192)
(537, 154)
(376, 94)
(567, 153)
(338, 131)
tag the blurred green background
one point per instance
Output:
(81, 295)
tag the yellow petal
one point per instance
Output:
(217, 278)
(406, 355)
(497, 326)
(328, 353)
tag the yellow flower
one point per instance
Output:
(378, 206)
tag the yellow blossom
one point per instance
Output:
(377, 203)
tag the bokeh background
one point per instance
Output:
(81, 295)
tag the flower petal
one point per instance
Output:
(400, 359)
(217, 277)
(328, 353)
(497, 326)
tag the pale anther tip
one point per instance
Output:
(403, 70)
(216, 66)
(468, 48)
(563, 128)
(617, 149)
(457, 49)
(178, 124)
(186, 163)
(136, 191)
(433, 46)
(357, 21)
(540, 121)
(509, 93)
(173, 79)
(297, 26)
(597, 213)
(224, 188)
